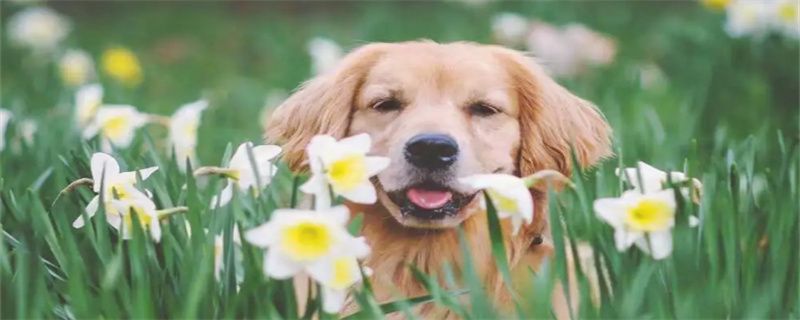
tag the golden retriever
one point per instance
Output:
(440, 112)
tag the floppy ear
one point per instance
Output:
(322, 105)
(553, 121)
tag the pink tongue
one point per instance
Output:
(428, 199)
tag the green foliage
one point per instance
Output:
(726, 110)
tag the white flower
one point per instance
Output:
(242, 174)
(115, 184)
(314, 242)
(642, 219)
(27, 130)
(645, 179)
(747, 18)
(325, 54)
(344, 166)
(5, 118)
(569, 50)
(509, 28)
(116, 125)
(219, 251)
(183, 131)
(88, 99)
(509, 194)
(145, 211)
(786, 17)
(76, 67)
(38, 28)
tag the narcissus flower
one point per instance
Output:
(38, 28)
(786, 17)
(136, 202)
(243, 174)
(509, 194)
(747, 18)
(183, 131)
(642, 219)
(113, 184)
(5, 118)
(325, 54)
(645, 178)
(343, 167)
(116, 125)
(509, 29)
(76, 67)
(88, 99)
(122, 65)
(313, 242)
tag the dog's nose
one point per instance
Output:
(431, 150)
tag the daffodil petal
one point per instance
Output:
(224, 197)
(101, 163)
(278, 266)
(611, 210)
(694, 221)
(155, 230)
(266, 152)
(363, 193)
(657, 244)
(375, 165)
(262, 236)
(624, 238)
(315, 185)
(333, 300)
(359, 143)
(339, 214)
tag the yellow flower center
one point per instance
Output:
(787, 12)
(649, 215)
(115, 127)
(347, 172)
(503, 203)
(306, 240)
(122, 65)
(144, 219)
(118, 192)
(342, 275)
(716, 4)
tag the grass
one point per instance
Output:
(724, 109)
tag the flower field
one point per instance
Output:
(135, 182)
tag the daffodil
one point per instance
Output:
(645, 178)
(786, 17)
(38, 28)
(88, 99)
(116, 125)
(509, 29)
(183, 131)
(122, 65)
(645, 220)
(747, 18)
(343, 167)
(5, 118)
(111, 183)
(146, 213)
(243, 174)
(315, 243)
(325, 54)
(76, 67)
(219, 251)
(509, 194)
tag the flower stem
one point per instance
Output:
(158, 119)
(72, 186)
(206, 171)
(166, 213)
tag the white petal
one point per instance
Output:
(91, 130)
(363, 193)
(93, 205)
(315, 185)
(240, 160)
(129, 177)
(278, 266)
(359, 143)
(339, 215)
(375, 165)
(263, 236)
(225, 196)
(333, 300)
(155, 229)
(103, 163)
(694, 221)
(516, 223)
(658, 244)
(266, 152)
(624, 238)
(612, 211)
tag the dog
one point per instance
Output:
(440, 112)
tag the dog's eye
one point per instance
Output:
(387, 105)
(483, 110)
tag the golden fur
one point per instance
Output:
(540, 125)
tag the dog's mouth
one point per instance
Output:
(430, 201)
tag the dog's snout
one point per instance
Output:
(431, 150)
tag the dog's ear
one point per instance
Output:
(553, 122)
(322, 105)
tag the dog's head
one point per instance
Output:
(441, 112)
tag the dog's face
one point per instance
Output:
(441, 112)
(438, 114)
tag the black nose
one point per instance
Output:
(431, 151)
